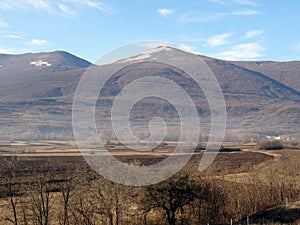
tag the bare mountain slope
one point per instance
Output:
(25, 66)
(36, 93)
(39, 75)
(287, 73)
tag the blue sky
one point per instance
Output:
(227, 29)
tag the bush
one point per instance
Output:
(294, 145)
(270, 145)
(200, 147)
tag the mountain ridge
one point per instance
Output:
(284, 72)
(39, 96)
(261, 74)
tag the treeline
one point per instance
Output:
(45, 195)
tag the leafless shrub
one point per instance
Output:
(270, 145)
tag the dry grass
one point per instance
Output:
(230, 169)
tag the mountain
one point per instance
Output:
(25, 66)
(36, 93)
(37, 75)
(256, 103)
(287, 73)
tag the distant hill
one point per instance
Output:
(287, 73)
(36, 92)
(29, 65)
(38, 75)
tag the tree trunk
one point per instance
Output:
(14, 210)
(171, 218)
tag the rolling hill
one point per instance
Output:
(36, 93)
(287, 73)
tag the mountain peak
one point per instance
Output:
(151, 54)
(56, 61)
(160, 48)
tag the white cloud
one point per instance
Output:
(218, 40)
(14, 36)
(90, 4)
(23, 4)
(206, 17)
(297, 46)
(246, 2)
(39, 4)
(248, 51)
(11, 5)
(244, 13)
(52, 6)
(38, 42)
(165, 12)
(222, 2)
(240, 2)
(66, 10)
(199, 18)
(253, 33)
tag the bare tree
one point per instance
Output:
(41, 196)
(171, 196)
(8, 180)
(108, 200)
(66, 187)
(81, 207)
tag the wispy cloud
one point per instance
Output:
(253, 33)
(12, 36)
(246, 2)
(222, 2)
(11, 5)
(230, 2)
(199, 17)
(23, 4)
(211, 17)
(67, 7)
(165, 12)
(39, 4)
(95, 4)
(66, 10)
(218, 40)
(38, 42)
(244, 13)
(248, 51)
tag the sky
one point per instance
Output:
(225, 29)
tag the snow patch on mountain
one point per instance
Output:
(146, 55)
(158, 49)
(40, 63)
(137, 58)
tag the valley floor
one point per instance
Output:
(244, 165)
